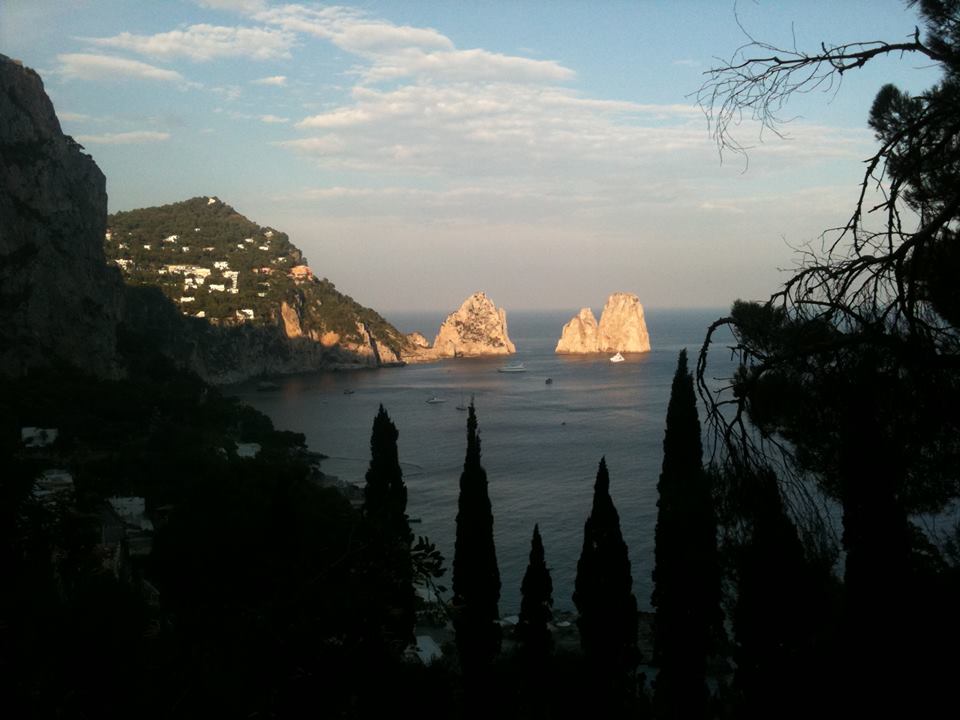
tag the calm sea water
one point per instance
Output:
(541, 443)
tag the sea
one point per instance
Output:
(541, 441)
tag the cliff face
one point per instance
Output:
(58, 299)
(622, 328)
(622, 325)
(477, 328)
(580, 334)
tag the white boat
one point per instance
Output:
(434, 400)
(512, 368)
(617, 358)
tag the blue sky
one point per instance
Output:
(549, 153)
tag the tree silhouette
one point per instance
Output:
(388, 539)
(476, 578)
(605, 602)
(536, 605)
(686, 576)
(847, 381)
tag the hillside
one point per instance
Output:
(213, 263)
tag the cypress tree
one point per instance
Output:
(686, 576)
(536, 605)
(605, 602)
(391, 614)
(476, 578)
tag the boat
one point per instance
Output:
(512, 368)
(267, 386)
(549, 381)
(617, 358)
(434, 400)
(462, 405)
(348, 391)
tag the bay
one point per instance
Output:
(541, 443)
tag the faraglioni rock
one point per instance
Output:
(61, 303)
(580, 334)
(478, 328)
(622, 328)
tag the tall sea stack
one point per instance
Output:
(622, 328)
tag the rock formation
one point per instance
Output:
(478, 328)
(622, 328)
(580, 334)
(60, 301)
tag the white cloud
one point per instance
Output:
(124, 138)
(245, 6)
(73, 117)
(317, 146)
(275, 80)
(85, 66)
(400, 51)
(271, 119)
(205, 42)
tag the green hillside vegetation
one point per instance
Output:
(164, 247)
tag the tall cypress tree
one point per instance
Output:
(476, 578)
(686, 576)
(605, 602)
(536, 605)
(387, 537)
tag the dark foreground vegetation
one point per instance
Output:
(245, 588)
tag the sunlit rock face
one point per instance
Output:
(580, 334)
(60, 301)
(622, 328)
(622, 325)
(478, 327)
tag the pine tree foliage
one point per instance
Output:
(603, 590)
(476, 577)
(385, 494)
(536, 605)
(388, 538)
(686, 575)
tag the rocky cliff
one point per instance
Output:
(580, 334)
(622, 328)
(59, 301)
(477, 328)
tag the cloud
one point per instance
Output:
(85, 66)
(275, 80)
(244, 6)
(124, 138)
(316, 146)
(205, 42)
(401, 51)
(73, 117)
(270, 119)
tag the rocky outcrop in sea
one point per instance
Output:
(477, 328)
(622, 328)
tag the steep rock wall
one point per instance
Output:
(622, 328)
(59, 301)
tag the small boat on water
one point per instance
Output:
(267, 386)
(617, 358)
(348, 391)
(549, 381)
(512, 368)
(462, 405)
(435, 400)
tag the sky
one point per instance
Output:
(548, 153)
